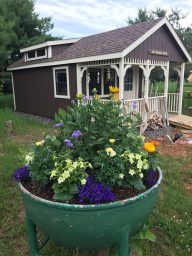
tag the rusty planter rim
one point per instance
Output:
(93, 206)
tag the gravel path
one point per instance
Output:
(161, 132)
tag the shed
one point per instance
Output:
(50, 74)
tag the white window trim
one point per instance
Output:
(36, 57)
(54, 82)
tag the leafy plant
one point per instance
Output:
(137, 241)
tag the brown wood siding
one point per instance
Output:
(34, 91)
(161, 40)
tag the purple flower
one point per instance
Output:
(85, 98)
(68, 143)
(93, 192)
(76, 134)
(58, 124)
(134, 104)
(150, 178)
(22, 173)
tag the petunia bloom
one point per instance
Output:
(58, 124)
(76, 134)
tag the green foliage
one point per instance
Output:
(20, 26)
(93, 138)
(137, 241)
(41, 162)
(67, 176)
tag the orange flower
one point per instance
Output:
(149, 147)
(155, 143)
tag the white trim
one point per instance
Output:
(13, 88)
(37, 57)
(54, 82)
(69, 61)
(181, 88)
(49, 52)
(79, 79)
(151, 31)
(50, 43)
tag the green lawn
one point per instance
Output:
(171, 220)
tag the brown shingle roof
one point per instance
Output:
(113, 41)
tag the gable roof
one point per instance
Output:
(111, 44)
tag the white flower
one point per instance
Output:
(113, 153)
(145, 164)
(131, 158)
(141, 175)
(137, 156)
(53, 174)
(140, 164)
(83, 181)
(121, 175)
(28, 158)
(131, 172)
(112, 141)
(60, 180)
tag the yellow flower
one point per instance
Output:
(53, 174)
(112, 141)
(149, 147)
(121, 175)
(39, 143)
(79, 96)
(141, 175)
(113, 89)
(109, 150)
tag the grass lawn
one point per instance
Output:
(171, 220)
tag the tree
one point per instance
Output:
(22, 28)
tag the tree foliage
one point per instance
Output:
(20, 26)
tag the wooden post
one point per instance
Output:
(79, 79)
(146, 88)
(181, 88)
(121, 79)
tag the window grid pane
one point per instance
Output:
(61, 82)
(128, 80)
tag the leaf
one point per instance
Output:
(150, 236)
(73, 189)
(63, 196)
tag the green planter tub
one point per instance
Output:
(88, 226)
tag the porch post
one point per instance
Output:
(181, 88)
(79, 79)
(121, 79)
(146, 88)
(166, 73)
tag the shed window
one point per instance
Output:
(61, 82)
(31, 54)
(41, 52)
(128, 80)
(37, 54)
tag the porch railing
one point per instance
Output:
(172, 102)
(142, 107)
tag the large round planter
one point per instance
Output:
(88, 226)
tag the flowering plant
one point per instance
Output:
(95, 152)
(113, 89)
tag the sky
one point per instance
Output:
(75, 18)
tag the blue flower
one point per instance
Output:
(76, 134)
(93, 192)
(85, 98)
(22, 173)
(68, 143)
(151, 178)
(58, 124)
(134, 104)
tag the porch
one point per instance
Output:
(132, 76)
